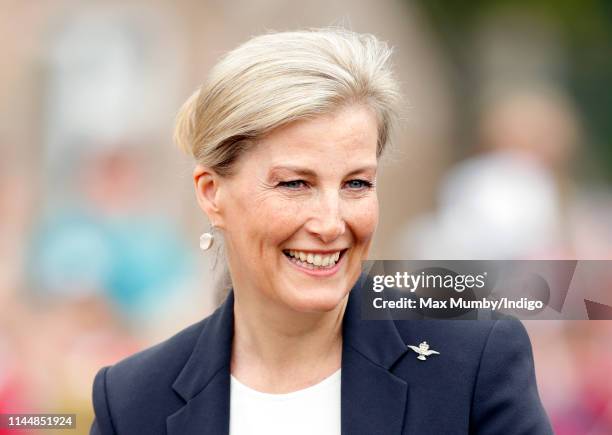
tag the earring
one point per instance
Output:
(207, 239)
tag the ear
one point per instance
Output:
(206, 182)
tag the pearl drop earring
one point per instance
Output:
(207, 239)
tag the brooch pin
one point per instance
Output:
(423, 350)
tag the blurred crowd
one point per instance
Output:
(99, 226)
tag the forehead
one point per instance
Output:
(344, 138)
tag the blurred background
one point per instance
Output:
(504, 152)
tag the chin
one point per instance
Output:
(316, 300)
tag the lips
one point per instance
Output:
(316, 271)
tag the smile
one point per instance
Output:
(313, 261)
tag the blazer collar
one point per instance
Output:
(377, 340)
(373, 399)
(211, 353)
(204, 382)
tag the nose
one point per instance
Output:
(327, 222)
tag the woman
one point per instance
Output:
(286, 134)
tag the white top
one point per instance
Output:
(313, 410)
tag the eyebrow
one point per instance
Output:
(310, 173)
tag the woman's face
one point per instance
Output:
(299, 214)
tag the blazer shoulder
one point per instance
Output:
(158, 363)
(488, 366)
(506, 393)
(142, 383)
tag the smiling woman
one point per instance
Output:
(286, 134)
(318, 211)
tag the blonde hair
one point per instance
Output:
(277, 78)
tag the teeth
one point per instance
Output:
(315, 260)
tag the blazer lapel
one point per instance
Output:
(373, 398)
(204, 382)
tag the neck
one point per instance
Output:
(276, 349)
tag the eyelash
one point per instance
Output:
(364, 184)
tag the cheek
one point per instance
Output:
(363, 219)
(268, 218)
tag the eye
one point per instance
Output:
(293, 184)
(358, 184)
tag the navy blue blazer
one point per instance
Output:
(482, 382)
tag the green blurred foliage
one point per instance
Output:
(585, 30)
